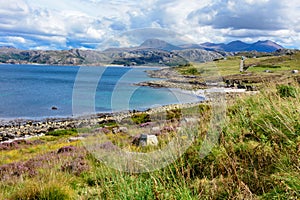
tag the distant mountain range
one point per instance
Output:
(234, 46)
(238, 46)
(150, 52)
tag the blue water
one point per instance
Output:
(30, 91)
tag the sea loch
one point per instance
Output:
(41, 91)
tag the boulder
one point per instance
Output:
(145, 140)
(152, 140)
(142, 140)
(54, 108)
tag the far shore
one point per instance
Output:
(89, 65)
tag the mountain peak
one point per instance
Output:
(236, 42)
(264, 42)
(158, 44)
(152, 42)
(266, 45)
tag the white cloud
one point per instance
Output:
(89, 23)
(16, 39)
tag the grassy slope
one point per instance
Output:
(230, 66)
(257, 157)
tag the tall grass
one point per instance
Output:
(54, 186)
(257, 157)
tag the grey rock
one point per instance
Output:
(145, 140)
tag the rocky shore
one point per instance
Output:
(170, 78)
(18, 128)
(21, 128)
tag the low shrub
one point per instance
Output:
(63, 132)
(44, 191)
(141, 118)
(190, 71)
(286, 91)
(174, 114)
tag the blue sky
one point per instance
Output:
(99, 24)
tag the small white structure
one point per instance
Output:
(295, 71)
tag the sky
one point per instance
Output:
(101, 24)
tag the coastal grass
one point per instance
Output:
(50, 185)
(231, 66)
(256, 157)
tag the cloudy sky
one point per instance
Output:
(99, 24)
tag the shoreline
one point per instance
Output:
(26, 128)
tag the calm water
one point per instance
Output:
(29, 91)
